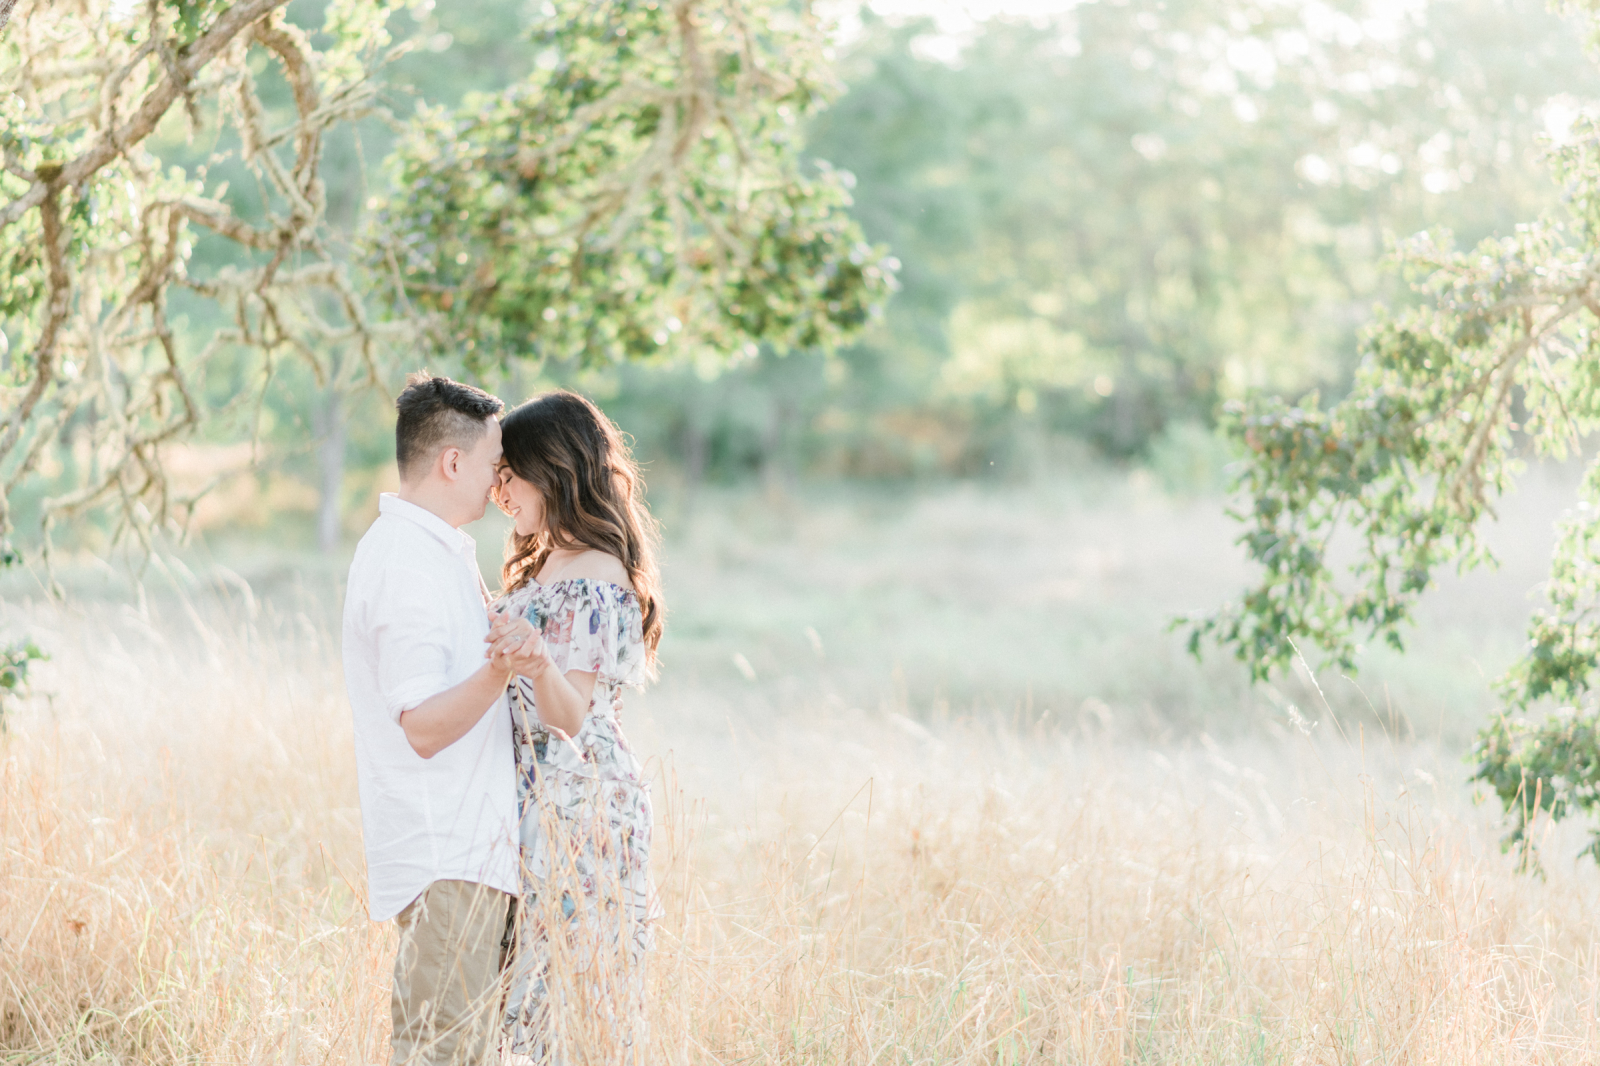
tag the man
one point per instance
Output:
(432, 730)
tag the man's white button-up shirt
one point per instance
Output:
(414, 622)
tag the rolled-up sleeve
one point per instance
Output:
(411, 631)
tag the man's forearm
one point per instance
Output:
(441, 720)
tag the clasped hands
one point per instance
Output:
(515, 644)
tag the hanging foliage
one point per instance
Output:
(1501, 354)
(97, 231)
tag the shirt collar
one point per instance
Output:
(455, 539)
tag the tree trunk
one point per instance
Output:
(330, 467)
(696, 452)
(777, 471)
(1127, 409)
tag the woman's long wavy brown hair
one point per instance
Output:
(593, 496)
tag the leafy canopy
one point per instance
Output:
(640, 194)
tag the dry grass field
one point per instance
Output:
(907, 814)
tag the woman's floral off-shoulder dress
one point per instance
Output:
(585, 921)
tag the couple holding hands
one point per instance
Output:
(506, 820)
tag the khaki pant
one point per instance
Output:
(448, 975)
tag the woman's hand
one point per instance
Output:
(515, 644)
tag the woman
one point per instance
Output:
(580, 565)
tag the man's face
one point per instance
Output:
(476, 474)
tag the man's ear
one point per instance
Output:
(450, 463)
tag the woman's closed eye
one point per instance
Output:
(502, 474)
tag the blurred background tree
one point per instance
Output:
(1112, 220)
(1105, 223)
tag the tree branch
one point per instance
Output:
(217, 218)
(151, 110)
(44, 353)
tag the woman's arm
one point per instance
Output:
(562, 699)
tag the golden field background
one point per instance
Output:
(933, 786)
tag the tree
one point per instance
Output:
(655, 128)
(639, 195)
(97, 232)
(1500, 354)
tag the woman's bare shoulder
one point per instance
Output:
(597, 566)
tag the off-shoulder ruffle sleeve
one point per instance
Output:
(599, 630)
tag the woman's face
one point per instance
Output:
(522, 501)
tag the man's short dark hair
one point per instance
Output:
(437, 413)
